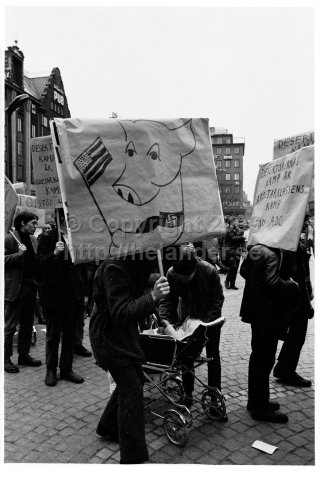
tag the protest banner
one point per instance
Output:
(19, 188)
(29, 203)
(45, 173)
(287, 145)
(10, 202)
(135, 185)
(280, 200)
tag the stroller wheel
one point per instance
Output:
(175, 427)
(173, 388)
(213, 404)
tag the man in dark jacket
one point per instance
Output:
(268, 298)
(288, 359)
(196, 289)
(61, 294)
(119, 305)
(234, 242)
(20, 290)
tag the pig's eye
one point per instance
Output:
(131, 149)
(154, 152)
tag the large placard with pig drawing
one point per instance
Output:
(134, 185)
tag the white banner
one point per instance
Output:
(280, 200)
(130, 185)
(29, 203)
(45, 173)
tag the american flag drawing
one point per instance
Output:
(93, 161)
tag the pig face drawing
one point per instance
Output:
(153, 154)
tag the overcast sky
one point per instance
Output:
(249, 70)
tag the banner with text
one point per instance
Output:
(280, 200)
(10, 202)
(29, 203)
(132, 185)
(45, 173)
(284, 146)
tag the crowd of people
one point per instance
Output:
(119, 294)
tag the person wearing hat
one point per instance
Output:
(196, 292)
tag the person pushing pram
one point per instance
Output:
(195, 292)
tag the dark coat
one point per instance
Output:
(14, 264)
(201, 298)
(60, 280)
(120, 304)
(269, 295)
(234, 241)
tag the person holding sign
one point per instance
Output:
(195, 287)
(289, 355)
(119, 305)
(20, 290)
(61, 292)
(268, 296)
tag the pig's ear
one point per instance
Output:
(186, 135)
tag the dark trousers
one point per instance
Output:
(123, 416)
(289, 355)
(80, 325)
(262, 358)
(214, 367)
(20, 311)
(61, 324)
(233, 264)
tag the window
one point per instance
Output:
(236, 189)
(236, 150)
(228, 140)
(219, 141)
(19, 124)
(228, 150)
(228, 176)
(227, 190)
(20, 148)
(51, 105)
(228, 163)
(20, 172)
(236, 176)
(219, 150)
(33, 109)
(45, 121)
(236, 163)
(218, 163)
(33, 131)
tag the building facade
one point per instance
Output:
(43, 99)
(228, 154)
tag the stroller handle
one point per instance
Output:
(215, 323)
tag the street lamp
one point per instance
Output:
(14, 105)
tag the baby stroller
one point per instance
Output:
(166, 357)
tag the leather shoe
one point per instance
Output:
(187, 401)
(51, 378)
(293, 379)
(226, 284)
(101, 431)
(29, 361)
(10, 367)
(233, 287)
(269, 415)
(71, 377)
(273, 405)
(82, 351)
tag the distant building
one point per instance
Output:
(228, 155)
(46, 100)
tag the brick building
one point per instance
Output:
(43, 99)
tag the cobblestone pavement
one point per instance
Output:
(57, 425)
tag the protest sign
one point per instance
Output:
(132, 185)
(287, 145)
(45, 173)
(280, 200)
(19, 188)
(29, 203)
(10, 202)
